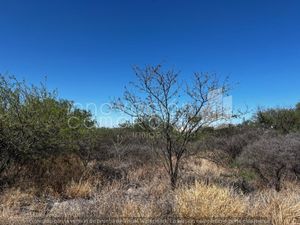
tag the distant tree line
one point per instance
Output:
(284, 120)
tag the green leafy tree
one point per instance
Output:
(298, 115)
(281, 119)
(35, 124)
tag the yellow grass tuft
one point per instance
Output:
(81, 189)
(208, 201)
(281, 208)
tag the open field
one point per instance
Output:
(140, 188)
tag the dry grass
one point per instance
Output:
(145, 192)
(138, 209)
(199, 201)
(202, 201)
(281, 208)
(208, 201)
(81, 189)
(16, 205)
(14, 198)
(204, 166)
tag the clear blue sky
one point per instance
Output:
(86, 48)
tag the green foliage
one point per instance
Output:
(297, 112)
(35, 124)
(234, 164)
(281, 119)
(248, 175)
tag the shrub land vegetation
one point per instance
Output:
(175, 161)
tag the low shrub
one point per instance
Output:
(225, 148)
(272, 157)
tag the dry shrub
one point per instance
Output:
(14, 198)
(117, 200)
(146, 173)
(226, 144)
(51, 174)
(81, 189)
(138, 209)
(281, 208)
(202, 167)
(199, 201)
(273, 157)
(208, 201)
(158, 187)
(108, 200)
(15, 202)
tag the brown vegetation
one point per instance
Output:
(145, 193)
(48, 169)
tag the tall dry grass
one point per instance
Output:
(282, 208)
(80, 189)
(202, 201)
(198, 201)
(145, 192)
(211, 201)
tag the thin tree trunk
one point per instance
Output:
(173, 177)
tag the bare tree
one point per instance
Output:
(171, 110)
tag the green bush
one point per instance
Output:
(35, 124)
(282, 119)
